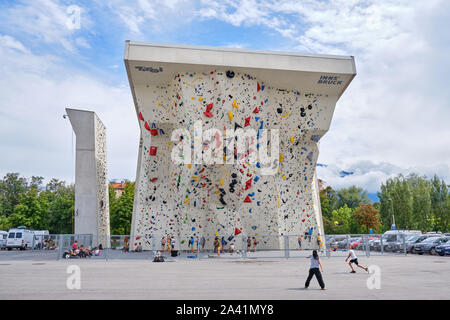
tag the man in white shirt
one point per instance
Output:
(354, 259)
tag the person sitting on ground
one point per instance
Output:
(73, 252)
(87, 252)
(96, 251)
(82, 253)
(138, 248)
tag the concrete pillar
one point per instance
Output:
(91, 176)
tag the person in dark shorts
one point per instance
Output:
(354, 259)
(314, 270)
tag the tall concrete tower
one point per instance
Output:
(91, 176)
(175, 88)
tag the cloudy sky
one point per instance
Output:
(394, 118)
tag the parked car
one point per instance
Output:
(429, 245)
(360, 245)
(410, 244)
(333, 241)
(3, 237)
(19, 238)
(344, 244)
(355, 242)
(443, 249)
(389, 238)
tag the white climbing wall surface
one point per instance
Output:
(176, 86)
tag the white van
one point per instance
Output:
(19, 238)
(3, 237)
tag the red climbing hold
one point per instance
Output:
(248, 184)
(154, 179)
(236, 231)
(209, 107)
(208, 114)
(153, 150)
(147, 126)
(258, 87)
(141, 117)
(154, 132)
(247, 122)
(248, 200)
(256, 110)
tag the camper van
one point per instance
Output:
(3, 237)
(39, 236)
(19, 238)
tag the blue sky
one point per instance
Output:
(392, 119)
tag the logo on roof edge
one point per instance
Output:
(149, 69)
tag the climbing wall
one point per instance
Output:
(101, 182)
(224, 199)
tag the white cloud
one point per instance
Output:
(371, 175)
(35, 139)
(45, 21)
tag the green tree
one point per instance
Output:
(61, 208)
(4, 223)
(421, 205)
(352, 197)
(341, 220)
(11, 187)
(328, 201)
(439, 195)
(121, 210)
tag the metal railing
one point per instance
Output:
(212, 246)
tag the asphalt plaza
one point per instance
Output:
(401, 277)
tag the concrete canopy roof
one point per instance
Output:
(157, 64)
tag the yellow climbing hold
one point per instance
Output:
(292, 139)
(189, 165)
(221, 182)
(281, 157)
(200, 98)
(230, 115)
(235, 105)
